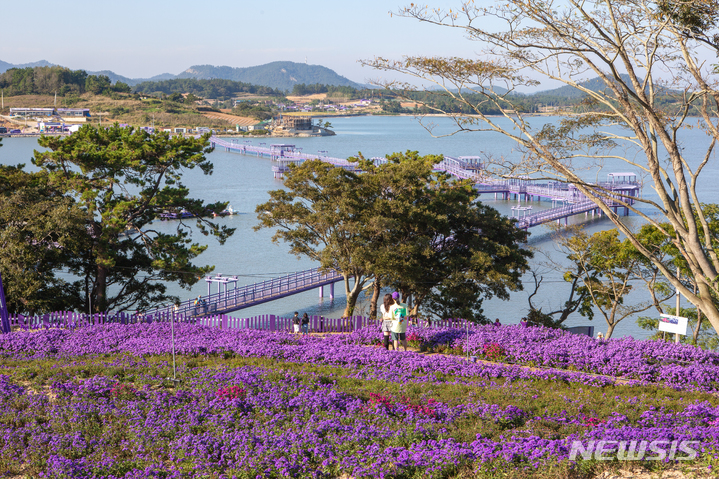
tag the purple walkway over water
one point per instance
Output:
(619, 191)
(240, 297)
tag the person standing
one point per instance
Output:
(398, 312)
(296, 322)
(305, 324)
(386, 326)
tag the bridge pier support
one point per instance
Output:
(322, 292)
(332, 291)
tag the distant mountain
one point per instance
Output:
(569, 92)
(279, 75)
(5, 66)
(595, 84)
(114, 77)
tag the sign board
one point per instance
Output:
(673, 324)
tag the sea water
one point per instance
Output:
(251, 255)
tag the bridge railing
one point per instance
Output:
(556, 213)
(264, 322)
(242, 295)
(456, 167)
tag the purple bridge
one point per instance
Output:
(619, 190)
(230, 297)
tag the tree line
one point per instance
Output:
(303, 89)
(56, 80)
(215, 88)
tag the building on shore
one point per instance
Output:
(29, 113)
(74, 115)
(66, 115)
(296, 123)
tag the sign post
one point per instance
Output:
(678, 311)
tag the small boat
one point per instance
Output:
(226, 212)
(176, 215)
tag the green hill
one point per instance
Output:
(278, 75)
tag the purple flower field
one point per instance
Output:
(96, 402)
(674, 365)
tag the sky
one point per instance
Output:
(139, 39)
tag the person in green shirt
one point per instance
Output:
(398, 311)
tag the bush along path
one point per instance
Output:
(96, 402)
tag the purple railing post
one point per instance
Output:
(4, 313)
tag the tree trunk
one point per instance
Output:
(610, 330)
(711, 313)
(698, 327)
(100, 303)
(376, 286)
(352, 295)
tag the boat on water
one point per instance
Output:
(183, 213)
(176, 215)
(226, 212)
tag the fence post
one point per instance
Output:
(4, 313)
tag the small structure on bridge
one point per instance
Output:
(221, 281)
(618, 191)
(283, 154)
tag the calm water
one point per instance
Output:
(244, 181)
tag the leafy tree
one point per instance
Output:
(121, 87)
(431, 238)
(190, 99)
(123, 179)
(98, 84)
(606, 269)
(656, 240)
(625, 44)
(319, 213)
(555, 319)
(399, 224)
(40, 231)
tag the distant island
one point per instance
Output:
(260, 100)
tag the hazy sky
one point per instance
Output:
(139, 39)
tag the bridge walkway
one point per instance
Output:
(242, 297)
